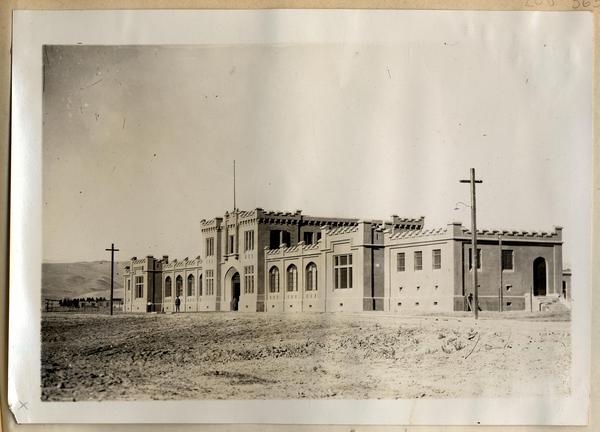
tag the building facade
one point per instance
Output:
(264, 261)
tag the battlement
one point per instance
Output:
(341, 230)
(296, 217)
(313, 246)
(138, 261)
(407, 223)
(278, 213)
(515, 234)
(247, 214)
(418, 233)
(180, 264)
(458, 231)
(211, 223)
(300, 247)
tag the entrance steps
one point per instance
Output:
(542, 303)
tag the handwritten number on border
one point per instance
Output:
(579, 4)
(576, 4)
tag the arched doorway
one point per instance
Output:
(539, 277)
(235, 291)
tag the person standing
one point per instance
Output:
(177, 303)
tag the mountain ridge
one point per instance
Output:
(81, 279)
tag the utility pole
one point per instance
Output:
(112, 273)
(474, 254)
(500, 292)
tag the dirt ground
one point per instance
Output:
(316, 356)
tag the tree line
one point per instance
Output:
(76, 302)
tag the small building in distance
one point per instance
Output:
(263, 261)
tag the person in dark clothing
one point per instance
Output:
(177, 303)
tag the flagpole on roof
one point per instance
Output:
(234, 185)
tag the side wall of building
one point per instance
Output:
(344, 278)
(511, 287)
(286, 279)
(142, 285)
(414, 283)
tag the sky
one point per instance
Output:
(139, 141)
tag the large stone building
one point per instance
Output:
(262, 261)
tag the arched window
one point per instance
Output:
(292, 278)
(179, 286)
(311, 277)
(168, 286)
(200, 285)
(274, 280)
(190, 286)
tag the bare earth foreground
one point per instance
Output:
(317, 356)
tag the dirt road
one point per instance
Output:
(319, 356)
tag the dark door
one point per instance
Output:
(539, 277)
(235, 292)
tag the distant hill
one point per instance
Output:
(81, 279)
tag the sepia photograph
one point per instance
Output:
(392, 217)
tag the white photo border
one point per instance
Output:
(32, 30)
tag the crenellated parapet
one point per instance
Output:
(211, 224)
(493, 234)
(442, 231)
(186, 263)
(457, 231)
(298, 250)
(341, 230)
(400, 223)
(296, 218)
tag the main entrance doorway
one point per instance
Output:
(539, 277)
(235, 292)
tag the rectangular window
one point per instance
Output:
(471, 259)
(230, 244)
(249, 279)
(210, 246)
(139, 286)
(210, 282)
(274, 239)
(418, 260)
(308, 238)
(128, 284)
(507, 259)
(342, 270)
(249, 240)
(437, 258)
(279, 237)
(401, 262)
(286, 238)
